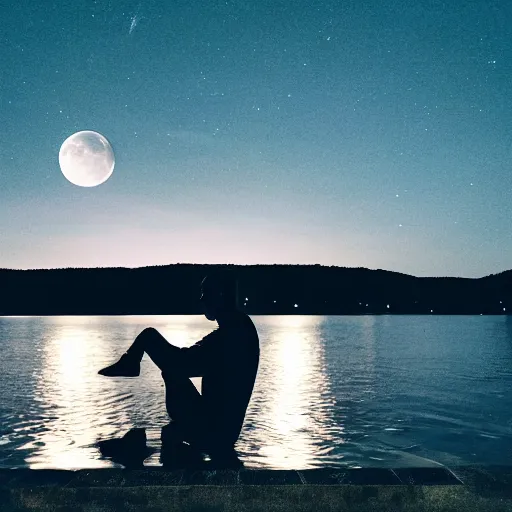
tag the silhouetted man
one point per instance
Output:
(227, 360)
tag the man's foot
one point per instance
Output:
(135, 437)
(130, 450)
(225, 459)
(125, 367)
(181, 456)
(171, 434)
(133, 441)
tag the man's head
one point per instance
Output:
(218, 294)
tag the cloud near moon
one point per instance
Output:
(86, 159)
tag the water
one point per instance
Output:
(367, 391)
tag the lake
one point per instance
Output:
(344, 391)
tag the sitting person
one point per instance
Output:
(227, 360)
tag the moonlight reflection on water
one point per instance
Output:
(385, 391)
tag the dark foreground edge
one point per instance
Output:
(468, 488)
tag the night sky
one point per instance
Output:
(354, 133)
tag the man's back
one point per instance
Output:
(228, 381)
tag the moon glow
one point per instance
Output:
(86, 159)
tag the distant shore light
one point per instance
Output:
(387, 306)
(296, 306)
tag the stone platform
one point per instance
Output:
(468, 488)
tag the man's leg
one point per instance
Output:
(192, 420)
(185, 407)
(152, 343)
(184, 403)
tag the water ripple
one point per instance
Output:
(330, 392)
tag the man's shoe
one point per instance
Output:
(181, 456)
(125, 367)
(130, 450)
(171, 433)
(133, 441)
(227, 459)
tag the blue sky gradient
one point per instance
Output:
(358, 133)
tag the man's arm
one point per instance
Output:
(195, 360)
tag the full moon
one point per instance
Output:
(86, 159)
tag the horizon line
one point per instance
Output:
(249, 265)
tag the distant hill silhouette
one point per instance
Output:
(270, 289)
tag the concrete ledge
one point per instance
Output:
(469, 488)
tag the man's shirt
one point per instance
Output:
(227, 360)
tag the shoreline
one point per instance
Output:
(474, 487)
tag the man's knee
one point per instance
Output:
(149, 332)
(149, 336)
